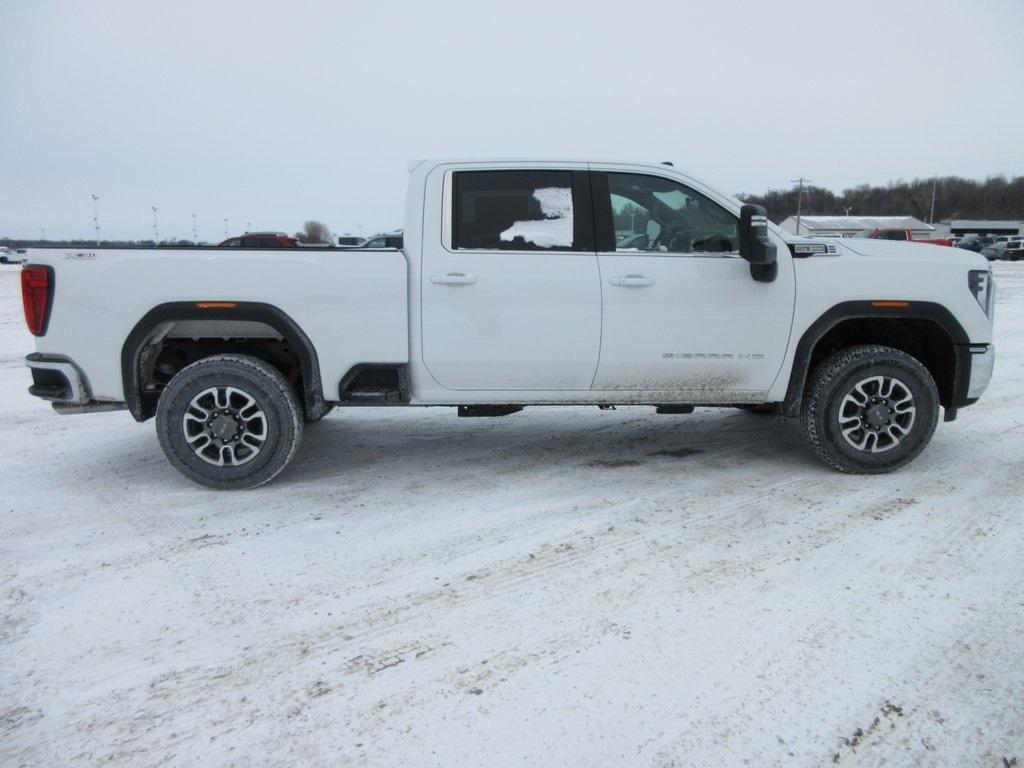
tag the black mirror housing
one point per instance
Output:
(755, 245)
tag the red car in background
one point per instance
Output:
(905, 235)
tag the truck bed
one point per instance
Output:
(351, 305)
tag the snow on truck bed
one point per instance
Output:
(559, 587)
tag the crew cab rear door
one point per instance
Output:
(511, 297)
(681, 313)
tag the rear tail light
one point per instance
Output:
(37, 295)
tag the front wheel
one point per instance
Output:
(229, 422)
(869, 409)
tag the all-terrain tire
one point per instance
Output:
(235, 409)
(833, 394)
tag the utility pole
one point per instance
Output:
(96, 217)
(799, 199)
(42, 234)
(225, 228)
(195, 236)
(156, 229)
(931, 214)
(847, 208)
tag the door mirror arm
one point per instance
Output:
(755, 245)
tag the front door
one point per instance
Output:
(681, 312)
(511, 296)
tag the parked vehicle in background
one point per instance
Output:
(905, 235)
(260, 240)
(394, 240)
(350, 241)
(1014, 250)
(12, 255)
(511, 291)
(994, 252)
(976, 243)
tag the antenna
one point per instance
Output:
(96, 217)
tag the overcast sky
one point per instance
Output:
(272, 113)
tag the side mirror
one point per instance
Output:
(755, 245)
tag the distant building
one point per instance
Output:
(961, 227)
(851, 226)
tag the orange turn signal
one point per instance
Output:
(891, 304)
(216, 304)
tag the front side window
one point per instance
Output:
(657, 215)
(512, 210)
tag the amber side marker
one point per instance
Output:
(216, 304)
(891, 304)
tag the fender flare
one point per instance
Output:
(856, 310)
(131, 351)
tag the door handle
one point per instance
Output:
(632, 281)
(453, 278)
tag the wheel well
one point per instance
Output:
(920, 338)
(174, 336)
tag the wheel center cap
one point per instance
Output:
(224, 427)
(877, 415)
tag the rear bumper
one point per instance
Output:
(59, 380)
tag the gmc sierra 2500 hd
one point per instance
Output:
(519, 283)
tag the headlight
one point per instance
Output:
(983, 286)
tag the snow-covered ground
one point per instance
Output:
(564, 586)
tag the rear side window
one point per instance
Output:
(514, 210)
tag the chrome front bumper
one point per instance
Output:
(983, 358)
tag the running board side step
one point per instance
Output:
(480, 411)
(674, 409)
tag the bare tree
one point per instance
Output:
(314, 231)
(955, 198)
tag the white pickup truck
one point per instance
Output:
(519, 283)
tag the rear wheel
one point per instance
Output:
(229, 422)
(869, 409)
